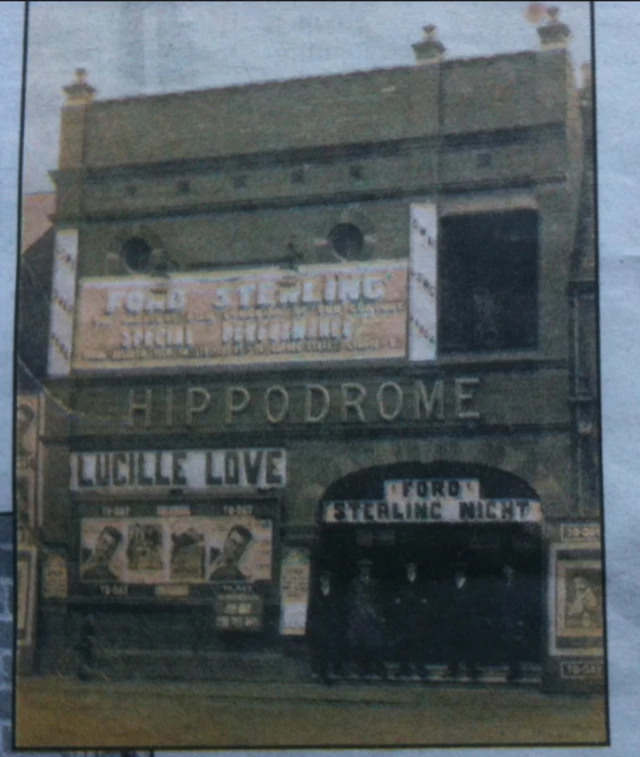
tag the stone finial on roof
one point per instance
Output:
(429, 49)
(554, 35)
(536, 13)
(79, 93)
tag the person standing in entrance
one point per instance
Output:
(365, 622)
(324, 630)
(411, 613)
(461, 628)
(514, 602)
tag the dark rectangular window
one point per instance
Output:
(488, 281)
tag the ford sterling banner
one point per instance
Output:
(432, 511)
(340, 312)
(433, 501)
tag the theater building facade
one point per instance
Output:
(301, 323)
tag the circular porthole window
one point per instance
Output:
(136, 254)
(347, 241)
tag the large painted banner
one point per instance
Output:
(176, 550)
(339, 312)
(63, 302)
(423, 282)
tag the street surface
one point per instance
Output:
(59, 713)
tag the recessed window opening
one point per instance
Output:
(347, 240)
(136, 253)
(488, 281)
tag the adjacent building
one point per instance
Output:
(301, 323)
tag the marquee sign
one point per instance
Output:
(432, 501)
(437, 511)
(185, 469)
(338, 312)
(175, 549)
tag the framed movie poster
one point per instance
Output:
(26, 582)
(577, 599)
(183, 549)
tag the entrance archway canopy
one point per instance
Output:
(369, 483)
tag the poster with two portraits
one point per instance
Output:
(197, 549)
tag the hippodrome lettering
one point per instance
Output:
(309, 404)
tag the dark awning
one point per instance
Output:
(368, 484)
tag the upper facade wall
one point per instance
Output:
(466, 96)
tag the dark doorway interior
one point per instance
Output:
(438, 550)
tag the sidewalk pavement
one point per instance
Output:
(61, 713)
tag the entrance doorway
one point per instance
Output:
(502, 563)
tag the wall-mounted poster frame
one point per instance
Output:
(294, 590)
(26, 582)
(575, 600)
(160, 550)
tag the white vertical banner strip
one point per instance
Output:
(63, 299)
(423, 299)
(12, 16)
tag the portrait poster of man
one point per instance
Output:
(239, 549)
(103, 557)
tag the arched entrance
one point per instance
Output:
(444, 517)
